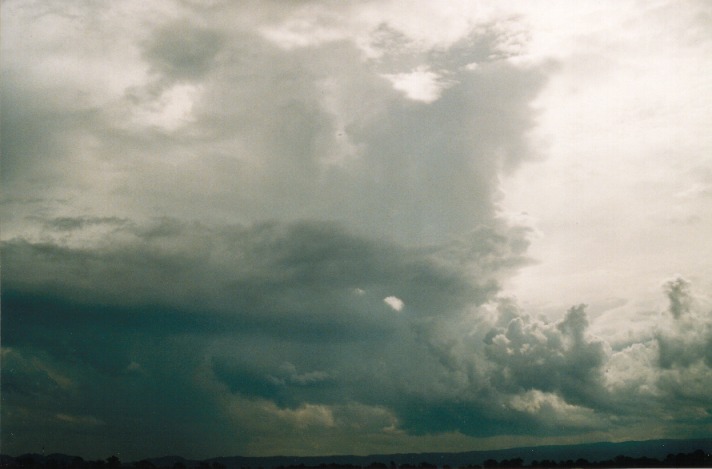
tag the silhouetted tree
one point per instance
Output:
(516, 462)
(113, 462)
(377, 465)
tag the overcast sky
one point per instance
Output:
(316, 227)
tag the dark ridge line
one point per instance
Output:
(649, 453)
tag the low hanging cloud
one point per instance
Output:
(300, 273)
(279, 335)
(270, 308)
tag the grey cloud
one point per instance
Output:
(258, 330)
(306, 272)
(684, 351)
(183, 51)
(687, 339)
(399, 53)
(281, 135)
(24, 378)
(289, 374)
(317, 133)
(282, 284)
(38, 130)
(286, 323)
(76, 223)
(254, 299)
(665, 375)
(678, 293)
(436, 183)
(557, 358)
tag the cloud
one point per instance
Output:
(217, 209)
(678, 293)
(670, 365)
(285, 280)
(81, 420)
(182, 52)
(261, 325)
(419, 84)
(227, 127)
(25, 377)
(552, 410)
(556, 358)
(267, 312)
(289, 374)
(394, 302)
(687, 339)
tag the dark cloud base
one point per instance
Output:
(296, 334)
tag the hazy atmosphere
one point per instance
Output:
(354, 227)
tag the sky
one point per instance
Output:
(313, 228)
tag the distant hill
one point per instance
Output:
(657, 449)
(592, 452)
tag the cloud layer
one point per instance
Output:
(262, 228)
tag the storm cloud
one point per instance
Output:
(263, 228)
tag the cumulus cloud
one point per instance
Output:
(670, 365)
(557, 358)
(687, 339)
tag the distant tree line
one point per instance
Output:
(697, 458)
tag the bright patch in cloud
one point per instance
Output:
(80, 420)
(420, 84)
(171, 110)
(394, 302)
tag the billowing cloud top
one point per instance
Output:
(265, 227)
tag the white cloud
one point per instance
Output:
(420, 84)
(554, 411)
(394, 302)
(306, 415)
